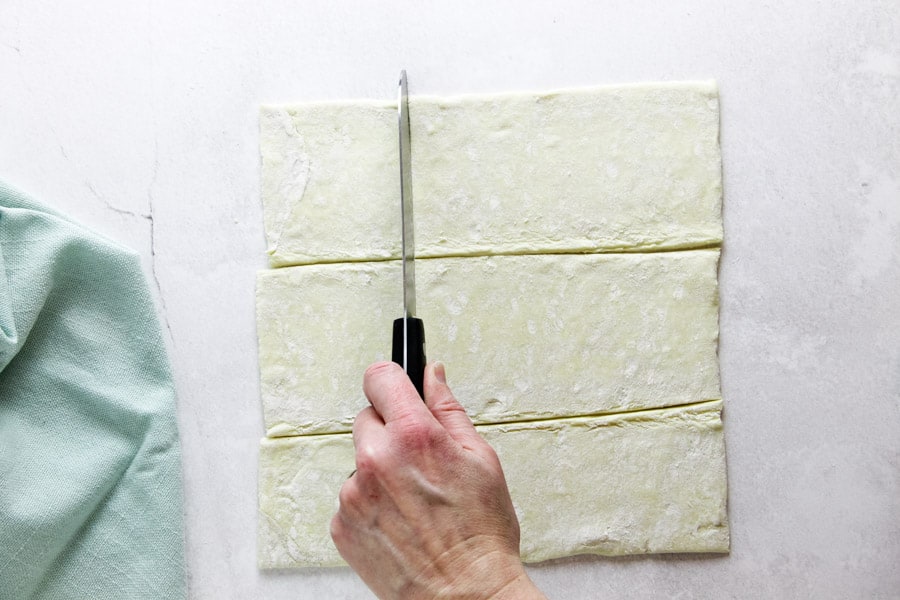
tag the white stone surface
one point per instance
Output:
(140, 119)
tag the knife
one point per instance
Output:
(409, 332)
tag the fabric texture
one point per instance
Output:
(90, 464)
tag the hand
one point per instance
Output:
(427, 513)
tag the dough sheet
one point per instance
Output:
(567, 246)
(647, 481)
(524, 337)
(614, 168)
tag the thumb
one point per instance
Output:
(447, 410)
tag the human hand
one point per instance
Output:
(427, 513)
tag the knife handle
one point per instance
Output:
(415, 344)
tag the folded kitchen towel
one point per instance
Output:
(90, 465)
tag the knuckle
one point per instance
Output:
(370, 462)
(419, 436)
(348, 496)
(357, 498)
(364, 414)
(448, 406)
(337, 530)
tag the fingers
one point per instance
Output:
(392, 394)
(362, 486)
(394, 399)
(446, 409)
(368, 432)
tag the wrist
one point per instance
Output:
(498, 575)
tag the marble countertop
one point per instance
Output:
(140, 120)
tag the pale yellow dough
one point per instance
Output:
(330, 182)
(598, 169)
(568, 245)
(524, 337)
(650, 481)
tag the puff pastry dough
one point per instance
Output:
(615, 168)
(525, 337)
(652, 481)
(569, 243)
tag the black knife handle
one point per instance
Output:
(415, 344)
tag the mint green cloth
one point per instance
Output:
(90, 466)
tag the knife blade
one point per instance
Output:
(408, 348)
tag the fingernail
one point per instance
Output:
(439, 372)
